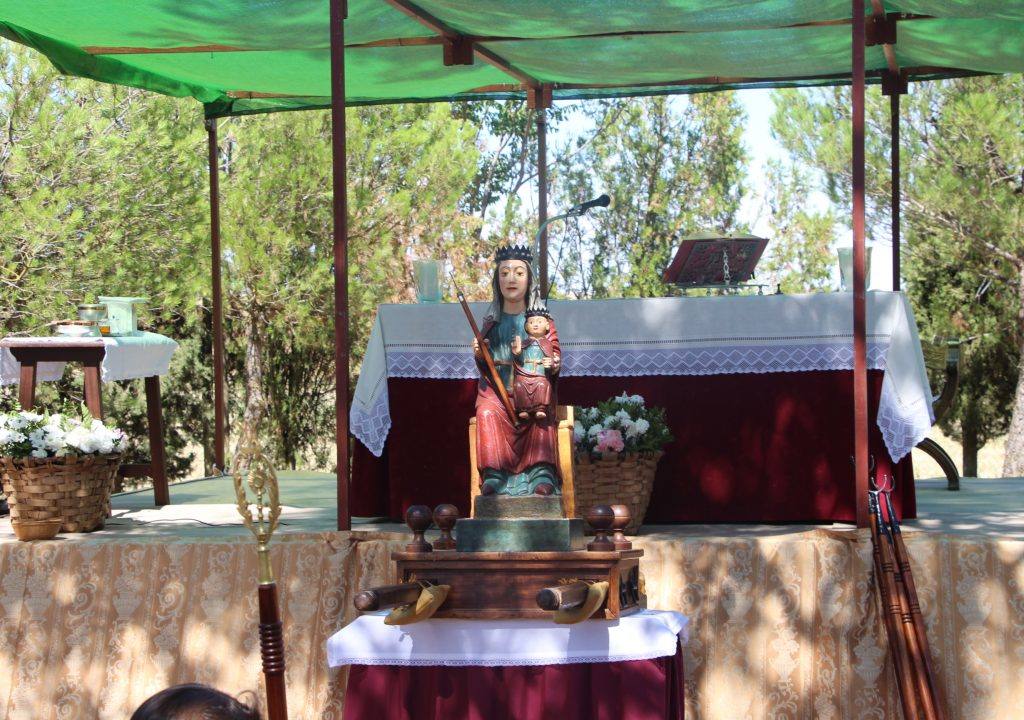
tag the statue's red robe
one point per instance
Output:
(500, 444)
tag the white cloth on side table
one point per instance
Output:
(668, 336)
(125, 358)
(641, 635)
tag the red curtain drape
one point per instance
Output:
(774, 447)
(634, 690)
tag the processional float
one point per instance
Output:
(520, 555)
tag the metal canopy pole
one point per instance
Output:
(894, 162)
(338, 13)
(219, 393)
(860, 365)
(539, 99)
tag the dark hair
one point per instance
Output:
(194, 702)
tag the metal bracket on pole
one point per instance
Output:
(538, 97)
(880, 29)
(894, 83)
(458, 50)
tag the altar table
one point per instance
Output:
(627, 669)
(758, 392)
(28, 360)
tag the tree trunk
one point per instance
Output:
(969, 430)
(1013, 461)
(255, 401)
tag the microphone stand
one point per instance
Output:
(577, 211)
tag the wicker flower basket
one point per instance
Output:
(615, 478)
(74, 488)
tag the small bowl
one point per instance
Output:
(92, 313)
(72, 330)
(36, 529)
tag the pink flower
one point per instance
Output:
(610, 441)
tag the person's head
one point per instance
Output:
(513, 276)
(194, 702)
(538, 323)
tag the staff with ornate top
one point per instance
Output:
(253, 469)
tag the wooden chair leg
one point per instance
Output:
(27, 385)
(157, 458)
(93, 389)
(935, 451)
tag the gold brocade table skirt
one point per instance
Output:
(780, 626)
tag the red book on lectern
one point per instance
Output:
(699, 261)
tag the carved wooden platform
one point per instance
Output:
(492, 585)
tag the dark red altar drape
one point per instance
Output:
(634, 690)
(748, 448)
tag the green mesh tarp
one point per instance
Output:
(244, 56)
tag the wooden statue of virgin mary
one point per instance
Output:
(522, 458)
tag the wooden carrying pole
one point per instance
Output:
(860, 362)
(340, 209)
(911, 607)
(891, 616)
(219, 392)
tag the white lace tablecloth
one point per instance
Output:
(668, 336)
(125, 358)
(643, 635)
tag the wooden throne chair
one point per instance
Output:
(566, 420)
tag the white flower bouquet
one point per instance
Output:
(618, 445)
(621, 424)
(58, 471)
(29, 434)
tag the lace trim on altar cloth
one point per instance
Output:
(903, 422)
(622, 362)
(372, 424)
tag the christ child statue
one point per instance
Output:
(535, 358)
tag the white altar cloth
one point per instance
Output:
(642, 635)
(125, 358)
(668, 336)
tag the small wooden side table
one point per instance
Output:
(90, 355)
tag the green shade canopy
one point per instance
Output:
(245, 56)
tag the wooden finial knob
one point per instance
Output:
(445, 516)
(600, 518)
(418, 518)
(622, 518)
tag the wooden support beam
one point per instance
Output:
(453, 37)
(339, 190)
(894, 168)
(216, 291)
(860, 364)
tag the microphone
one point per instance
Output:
(602, 201)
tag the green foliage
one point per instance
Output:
(799, 256)
(962, 154)
(103, 190)
(671, 167)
